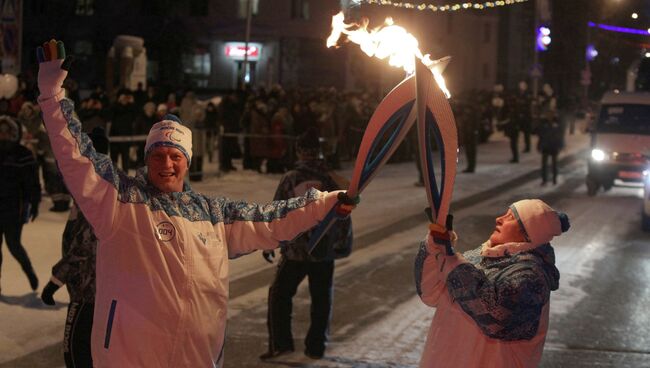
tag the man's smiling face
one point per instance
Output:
(166, 168)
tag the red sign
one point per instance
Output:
(238, 51)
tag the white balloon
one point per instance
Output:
(8, 85)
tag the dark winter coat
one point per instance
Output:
(143, 124)
(551, 137)
(337, 243)
(91, 118)
(123, 119)
(260, 126)
(521, 108)
(19, 183)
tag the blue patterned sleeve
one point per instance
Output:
(251, 227)
(507, 305)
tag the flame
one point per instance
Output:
(390, 42)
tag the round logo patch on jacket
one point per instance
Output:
(166, 231)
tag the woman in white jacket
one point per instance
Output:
(492, 303)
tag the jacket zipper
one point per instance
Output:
(109, 325)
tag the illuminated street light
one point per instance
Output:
(635, 15)
(647, 54)
(591, 52)
(543, 38)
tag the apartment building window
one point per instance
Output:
(85, 7)
(299, 9)
(242, 9)
(487, 32)
(197, 66)
(199, 8)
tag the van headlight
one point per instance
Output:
(599, 155)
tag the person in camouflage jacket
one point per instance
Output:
(296, 263)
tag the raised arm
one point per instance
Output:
(250, 226)
(432, 266)
(90, 177)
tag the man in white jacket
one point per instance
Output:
(492, 303)
(162, 259)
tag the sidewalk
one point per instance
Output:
(29, 328)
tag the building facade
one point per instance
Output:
(202, 43)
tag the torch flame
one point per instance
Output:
(390, 42)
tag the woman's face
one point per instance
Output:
(507, 230)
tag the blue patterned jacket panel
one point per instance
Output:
(505, 295)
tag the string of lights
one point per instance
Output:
(442, 8)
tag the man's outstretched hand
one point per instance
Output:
(52, 68)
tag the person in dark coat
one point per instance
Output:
(92, 114)
(20, 193)
(510, 126)
(141, 126)
(231, 117)
(551, 142)
(296, 263)
(124, 114)
(211, 124)
(522, 113)
(468, 119)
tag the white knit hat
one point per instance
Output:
(539, 224)
(170, 132)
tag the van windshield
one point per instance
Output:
(624, 118)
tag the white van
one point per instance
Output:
(620, 140)
(620, 145)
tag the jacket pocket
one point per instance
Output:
(109, 324)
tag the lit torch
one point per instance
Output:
(415, 98)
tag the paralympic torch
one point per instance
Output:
(415, 98)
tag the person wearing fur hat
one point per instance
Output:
(20, 193)
(492, 303)
(162, 257)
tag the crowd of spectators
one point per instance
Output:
(257, 126)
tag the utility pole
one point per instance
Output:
(536, 71)
(249, 8)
